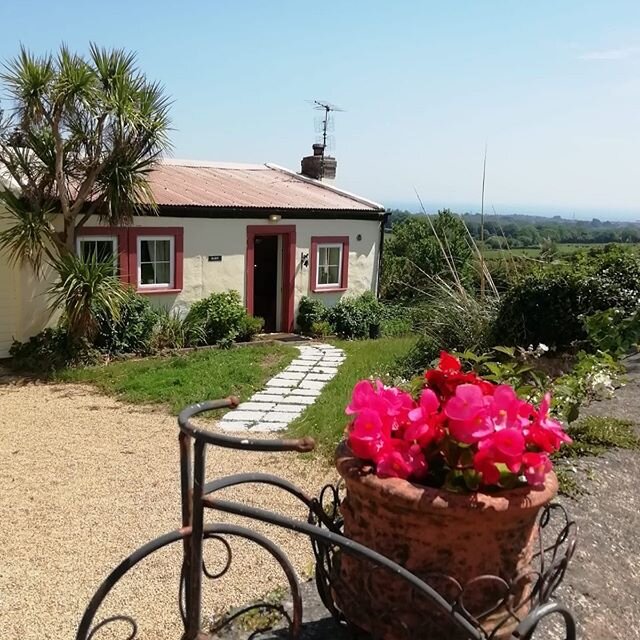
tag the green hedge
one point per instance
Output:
(549, 305)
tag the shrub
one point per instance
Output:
(172, 331)
(423, 247)
(219, 315)
(400, 320)
(613, 331)
(130, 331)
(50, 350)
(549, 305)
(249, 327)
(543, 307)
(357, 318)
(320, 329)
(310, 311)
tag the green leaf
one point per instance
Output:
(495, 368)
(454, 481)
(471, 479)
(509, 351)
(508, 480)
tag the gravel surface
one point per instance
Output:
(85, 480)
(602, 586)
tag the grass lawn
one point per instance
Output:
(325, 419)
(178, 381)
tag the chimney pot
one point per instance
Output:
(318, 166)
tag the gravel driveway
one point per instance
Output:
(85, 480)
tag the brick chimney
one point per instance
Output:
(318, 166)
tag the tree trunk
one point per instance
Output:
(70, 235)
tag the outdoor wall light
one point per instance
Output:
(304, 259)
(275, 217)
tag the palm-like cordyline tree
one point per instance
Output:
(80, 138)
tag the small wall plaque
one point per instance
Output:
(215, 258)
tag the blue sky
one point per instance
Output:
(553, 87)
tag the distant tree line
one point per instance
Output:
(527, 231)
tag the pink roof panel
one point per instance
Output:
(199, 184)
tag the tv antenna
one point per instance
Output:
(325, 124)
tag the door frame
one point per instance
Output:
(288, 233)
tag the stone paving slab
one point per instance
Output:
(288, 393)
(293, 399)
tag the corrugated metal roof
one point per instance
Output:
(204, 184)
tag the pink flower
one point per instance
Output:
(509, 443)
(536, 467)
(401, 460)
(362, 397)
(508, 410)
(471, 431)
(397, 405)
(505, 446)
(367, 437)
(466, 404)
(483, 463)
(457, 417)
(423, 426)
(545, 432)
(429, 404)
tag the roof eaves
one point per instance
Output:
(369, 203)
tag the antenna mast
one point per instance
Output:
(322, 165)
(327, 107)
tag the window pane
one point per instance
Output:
(87, 247)
(162, 250)
(333, 275)
(147, 252)
(104, 250)
(147, 273)
(322, 256)
(323, 275)
(334, 256)
(163, 273)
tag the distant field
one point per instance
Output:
(534, 252)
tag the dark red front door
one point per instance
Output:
(265, 281)
(269, 279)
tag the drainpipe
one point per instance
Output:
(383, 224)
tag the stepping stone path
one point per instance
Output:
(288, 394)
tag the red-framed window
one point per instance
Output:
(149, 258)
(156, 256)
(329, 263)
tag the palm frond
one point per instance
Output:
(84, 289)
(29, 235)
(28, 79)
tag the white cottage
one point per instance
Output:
(267, 232)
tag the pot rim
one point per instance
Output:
(403, 493)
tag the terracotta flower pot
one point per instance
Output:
(447, 539)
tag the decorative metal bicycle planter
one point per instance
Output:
(324, 530)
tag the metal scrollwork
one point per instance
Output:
(450, 600)
(107, 621)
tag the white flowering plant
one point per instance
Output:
(591, 376)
